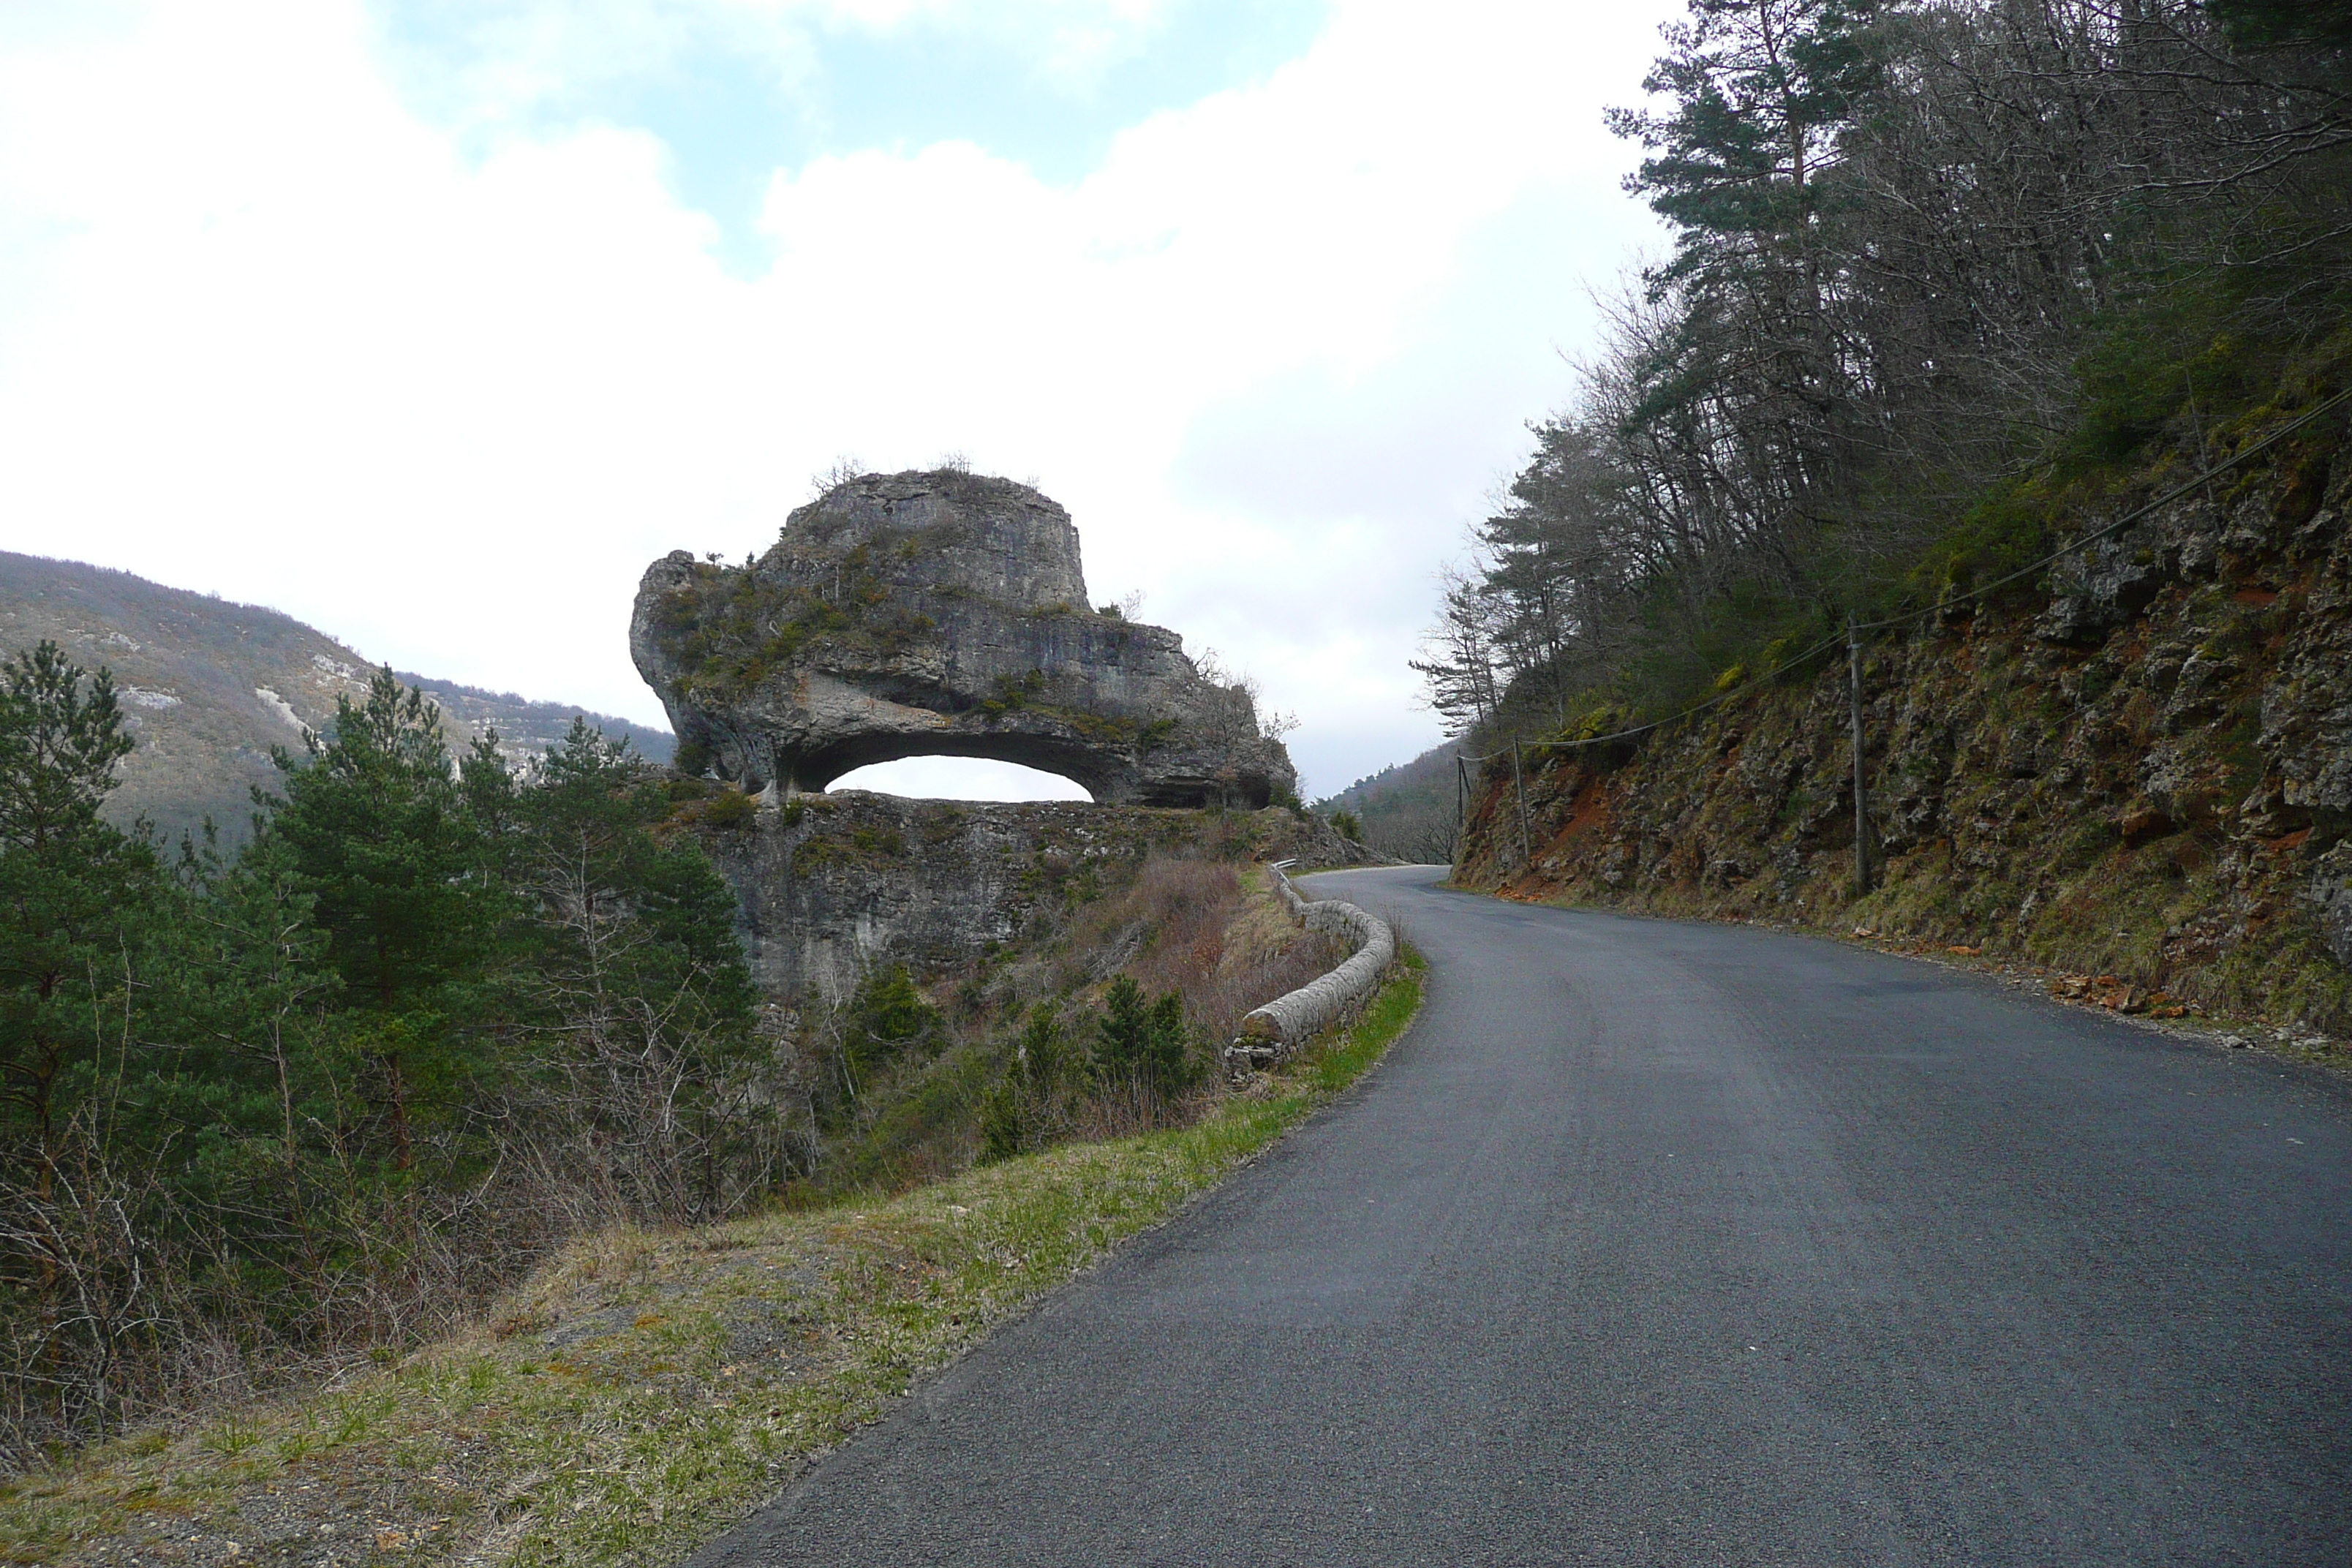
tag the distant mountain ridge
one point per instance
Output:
(209, 686)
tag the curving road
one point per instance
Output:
(1678, 1244)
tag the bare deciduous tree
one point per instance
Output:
(1900, 225)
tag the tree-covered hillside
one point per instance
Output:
(1408, 810)
(2009, 344)
(208, 687)
(1944, 272)
(322, 1089)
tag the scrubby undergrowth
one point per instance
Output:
(646, 1389)
(1106, 1020)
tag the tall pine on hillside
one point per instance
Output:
(73, 892)
(378, 833)
(242, 1003)
(71, 887)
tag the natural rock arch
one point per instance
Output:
(937, 614)
(995, 783)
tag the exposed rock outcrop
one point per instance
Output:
(2146, 773)
(831, 885)
(937, 614)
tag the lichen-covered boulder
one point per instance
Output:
(937, 614)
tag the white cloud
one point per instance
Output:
(264, 331)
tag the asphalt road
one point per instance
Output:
(1677, 1244)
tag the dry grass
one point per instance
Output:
(643, 1390)
(1210, 930)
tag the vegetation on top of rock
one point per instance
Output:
(728, 632)
(919, 613)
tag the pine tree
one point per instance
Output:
(73, 894)
(1758, 92)
(241, 1006)
(71, 884)
(887, 1019)
(1143, 1041)
(380, 833)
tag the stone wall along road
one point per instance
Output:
(1272, 1031)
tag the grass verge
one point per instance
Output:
(647, 1390)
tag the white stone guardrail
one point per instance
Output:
(1283, 1024)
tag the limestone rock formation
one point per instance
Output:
(831, 886)
(937, 614)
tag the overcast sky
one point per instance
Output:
(432, 321)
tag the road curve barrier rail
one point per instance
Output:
(1283, 1024)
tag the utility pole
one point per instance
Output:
(1860, 782)
(1519, 789)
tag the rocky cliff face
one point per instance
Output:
(831, 885)
(2146, 773)
(937, 614)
